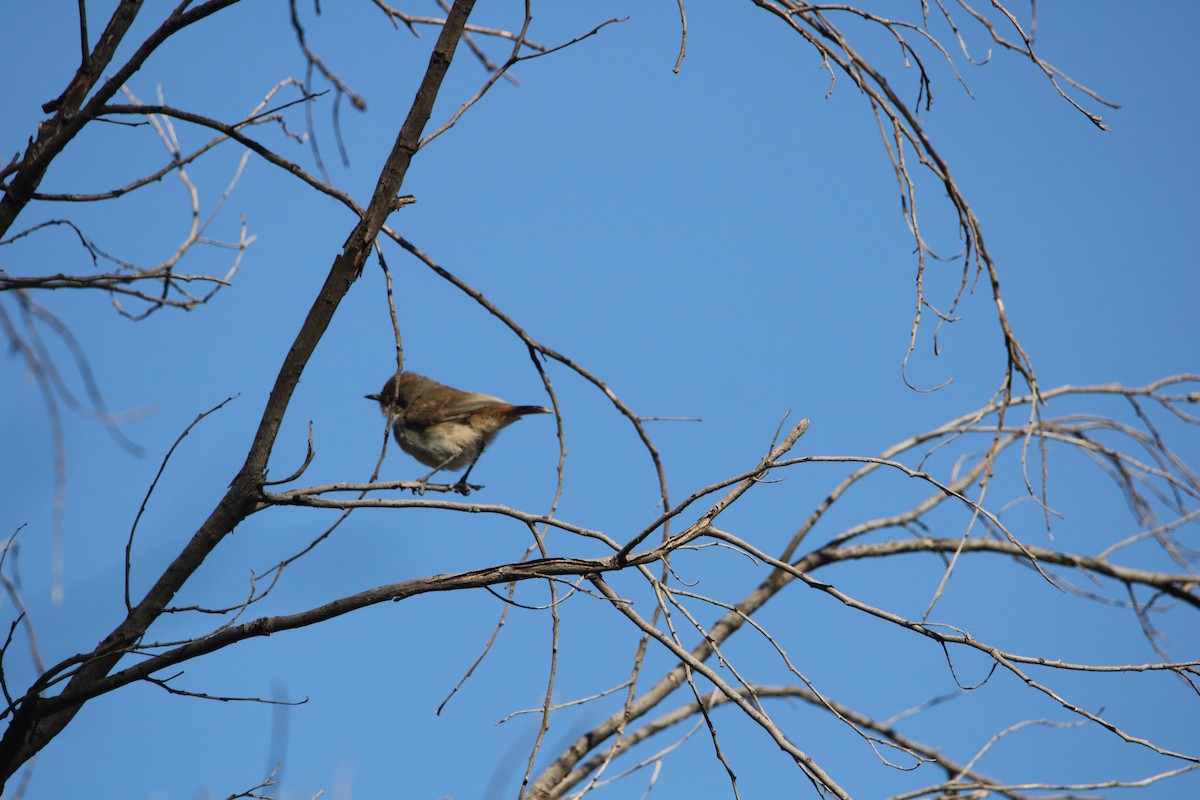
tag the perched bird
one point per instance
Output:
(443, 427)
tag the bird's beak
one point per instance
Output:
(374, 397)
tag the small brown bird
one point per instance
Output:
(443, 427)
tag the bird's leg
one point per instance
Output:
(462, 487)
(423, 483)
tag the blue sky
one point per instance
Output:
(723, 243)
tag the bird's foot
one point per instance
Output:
(464, 488)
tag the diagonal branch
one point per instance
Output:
(33, 726)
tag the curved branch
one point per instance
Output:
(70, 115)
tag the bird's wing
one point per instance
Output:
(424, 413)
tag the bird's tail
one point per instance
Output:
(523, 410)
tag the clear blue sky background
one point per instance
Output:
(723, 243)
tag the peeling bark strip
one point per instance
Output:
(38, 720)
